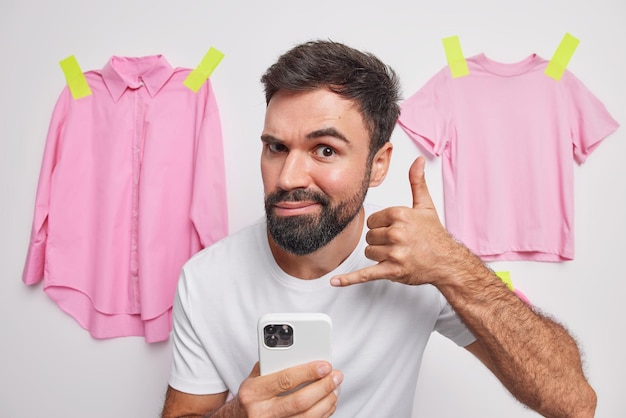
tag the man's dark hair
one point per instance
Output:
(352, 74)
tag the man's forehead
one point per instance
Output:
(317, 94)
(316, 106)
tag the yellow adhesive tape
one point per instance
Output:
(203, 71)
(505, 276)
(454, 55)
(557, 65)
(75, 78)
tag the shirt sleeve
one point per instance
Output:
(192, 368)
(35, 259)
(590, 122)
(426, 115)
(450, 325)
(209, 204)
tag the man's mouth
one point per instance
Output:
(291, 208)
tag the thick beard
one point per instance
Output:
(305, 234)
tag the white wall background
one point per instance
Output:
(52, 367)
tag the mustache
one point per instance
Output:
(296, 196)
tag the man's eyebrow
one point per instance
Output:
(319, 133)
(327, 132)
(269, 139)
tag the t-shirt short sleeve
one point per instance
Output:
(426, 115)
(590, 121)
(192, 369)
(450, 325)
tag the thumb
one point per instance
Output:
(421, 196)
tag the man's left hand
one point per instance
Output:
(409, 243)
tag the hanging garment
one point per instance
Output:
(131, 185)
(508, 136)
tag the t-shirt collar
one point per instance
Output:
(508, 69)
(121, 73)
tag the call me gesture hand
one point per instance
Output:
(410, 245)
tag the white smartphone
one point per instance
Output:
(290, 339)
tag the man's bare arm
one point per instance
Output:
(180, 404)
(533, 356)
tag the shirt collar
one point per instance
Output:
(121, 73)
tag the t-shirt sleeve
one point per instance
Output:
(192, 369)
(590, 122)
(450, 325)
(426, 115)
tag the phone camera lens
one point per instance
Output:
(285, 332)
(270, 329)
(271, 340)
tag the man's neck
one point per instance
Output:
(325, 259)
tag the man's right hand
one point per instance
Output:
(264, 396)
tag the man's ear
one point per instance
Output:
(380, 164)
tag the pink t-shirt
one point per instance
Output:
(508, 135)
(131, 185)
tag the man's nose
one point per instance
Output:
(295, 172)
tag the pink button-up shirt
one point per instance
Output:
(131, 185)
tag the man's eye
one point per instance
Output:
(276, 147)
(324, 151)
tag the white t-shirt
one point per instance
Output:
(380, 328)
